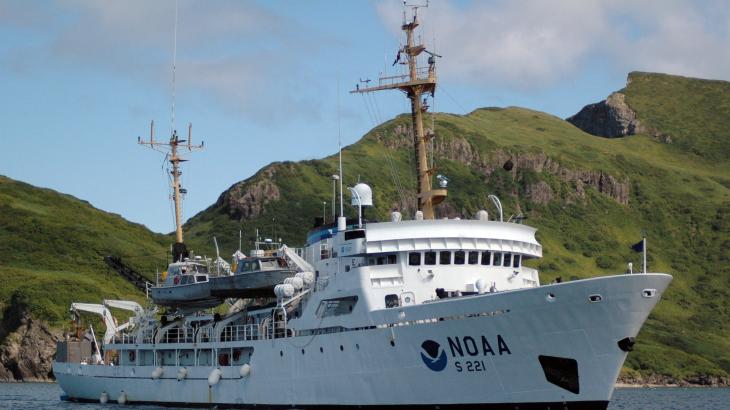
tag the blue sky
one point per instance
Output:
(81, 79)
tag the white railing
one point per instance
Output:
(178, 335)
(422, 73)
(206, 334)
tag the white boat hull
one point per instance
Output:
(363, 368)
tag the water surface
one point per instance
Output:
(47, 396)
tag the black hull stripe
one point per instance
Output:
(571, 405)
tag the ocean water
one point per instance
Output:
(47, 396)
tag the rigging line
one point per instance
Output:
(172, 208)
(339, 145)
(394, 175)
(367, 108)
(431, 141)
(393, 169)
(373, 119)
(448, 94)
(174, 63)
(166, 171)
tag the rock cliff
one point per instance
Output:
(610, 118)
(28, 346)
(246, 200)
(461, 150)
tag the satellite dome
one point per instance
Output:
(362, 192)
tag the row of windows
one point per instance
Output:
(486, 258)
(385, 259)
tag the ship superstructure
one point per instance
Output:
(420, 313)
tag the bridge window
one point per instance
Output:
(473, 257)
(430, 258)
(336, 307)
(414, 258)
(459, 257)
(392, 301)
(497, 259)
(507, 260)
(516, 261)
(487, 258)
(382, 259)
(354, 234)
(444, 258)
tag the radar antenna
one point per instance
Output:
(418, 81)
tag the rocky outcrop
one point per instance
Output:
(539, 193)
(462, 151)
(28, 346)
(651, 380)
(247, 199)
(610, 118)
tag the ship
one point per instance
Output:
(406, 313)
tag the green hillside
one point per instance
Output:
(52, 247)
(590, 198)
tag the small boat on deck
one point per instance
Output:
(185, 284)
(193, 284)
(254, 277)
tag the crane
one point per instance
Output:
(109, 321)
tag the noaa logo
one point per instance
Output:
(434, 357)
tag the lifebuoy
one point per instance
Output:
(131, 355)
(223, 360)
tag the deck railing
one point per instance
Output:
(206, 334)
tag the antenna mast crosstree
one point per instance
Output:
(418, 81)
(172, 150)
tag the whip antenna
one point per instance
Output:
(174, 64)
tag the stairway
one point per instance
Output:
(125, 271)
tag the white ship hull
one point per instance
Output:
(384, 366)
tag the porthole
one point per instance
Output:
(302, 351)
(550, 297)
(281, 353)
(321, 350)
(595, 298)
(357, 346)
(392, 343)
(342, 348)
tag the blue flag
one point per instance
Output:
(639, 246)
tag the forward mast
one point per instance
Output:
(418, 82)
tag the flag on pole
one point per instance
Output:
(638, 246)
(641, 247)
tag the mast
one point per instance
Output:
(172, 150)
(418, 82)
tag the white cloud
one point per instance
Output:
(531, 44)
(226, 50)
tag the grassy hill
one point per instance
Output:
(52, 247)
(590, 198)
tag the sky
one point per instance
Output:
(265, 81)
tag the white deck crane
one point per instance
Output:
(109, 321)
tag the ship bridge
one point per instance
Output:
(452, 234)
